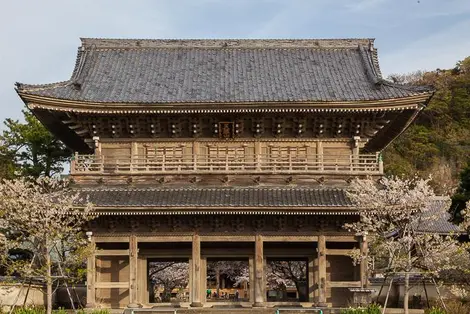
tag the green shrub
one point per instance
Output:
(435, 310)
(371, 309)
(100, 311)
(352, 311)
(60, 310)
(374, 309)
(453, 307)
(29, 310)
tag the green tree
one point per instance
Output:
(30, 149)
(462, 196)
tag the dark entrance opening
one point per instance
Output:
(287, 279)
(168, 280)
(228, 280)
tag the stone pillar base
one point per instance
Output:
(259, 304)
(196, 304)
(90, 306)
(134, 306)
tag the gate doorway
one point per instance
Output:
(228, 280)
(287, 279)
(168, 280)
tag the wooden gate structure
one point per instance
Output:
(200, 149)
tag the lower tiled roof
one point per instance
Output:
(436, 219)
(215, 197)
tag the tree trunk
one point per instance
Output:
(406, 295)
(49, 281)
(217, 280)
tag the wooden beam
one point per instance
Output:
(290, 238)
(101, 239)
(165, 239)
(350, 238)
(344, 284)
(338, 251)
(110, 285)
(231, 238)
(112, 253)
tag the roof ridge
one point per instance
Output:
(224, 43)
(208, 188)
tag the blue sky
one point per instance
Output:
(39, 38)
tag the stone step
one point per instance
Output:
(225, 310)
(234, 310)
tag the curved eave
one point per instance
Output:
(395, 129)
(63, 132)
(41, 102)
(150, 210)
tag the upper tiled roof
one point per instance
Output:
(215, 197)
(229, 71)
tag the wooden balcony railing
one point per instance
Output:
(207, 164)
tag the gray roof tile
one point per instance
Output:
(437, 219)
(229, 197)
(188, 71)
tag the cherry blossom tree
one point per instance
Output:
(40, 216)
(236, 271)
(391, 212)
(289, 273)
(169, 276)
(466, 217)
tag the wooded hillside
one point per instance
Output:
(438, 143)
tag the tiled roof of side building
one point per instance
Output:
(437, 219)
(224, 71)
(215, 197)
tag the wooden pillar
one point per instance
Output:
(320, 155)
(97, 142)
(312, 285)
(90, 278)
(251, 265)
(196, 272)
(73, 163)
(142, 279)
(321, 270)
(203, 280)
(381, 163)
(363, 266)
(134, 156)
(355, 154)
(195, 155)
(133, 260)
(259, 284)
(258, 155)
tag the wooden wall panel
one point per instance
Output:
(112, 269)
(340, 268)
